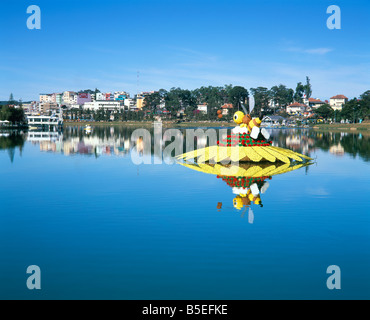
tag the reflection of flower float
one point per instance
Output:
(248, 180)
(247, 143)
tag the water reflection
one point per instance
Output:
(119, 141)
(338, 143)
(247, 181)
(12, 140)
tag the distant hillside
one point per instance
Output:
(3, 103)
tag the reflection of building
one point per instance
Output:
(38, 136)
(337, 150)
(338, 101)
(88, 145)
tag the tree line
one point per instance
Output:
(9, 113)
(177, 99)
(354, 110)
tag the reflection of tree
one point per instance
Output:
(355, 146)
(306, 141)
(303, 141)
(11, 142)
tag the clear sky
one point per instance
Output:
(188, 44)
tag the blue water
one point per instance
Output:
(101, 227)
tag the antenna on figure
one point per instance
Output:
(251, 103)
(137, 83)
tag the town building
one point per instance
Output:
(48, 108)
(129, 104)
(315, 103)
(107, 105)
(100, 96)
(109, 96)
(140, 101)
(203, 108)
(296, 108)
(338, 101)
(226, 108)
(45, 97)
(273, 120)
(120, 95)
(31, 107)
(69, 97)
(83, 98)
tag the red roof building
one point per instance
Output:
(339, 96)
(296, 108)
(226, 107)
(315, 103)
(338, 101)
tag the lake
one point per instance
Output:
(100, 225)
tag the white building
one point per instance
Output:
(117, 94)
(338, 101)
(296, 108)
(315, 103)
(203, 108)
(107, 105)
(45, 97)
(130, 103)
(69, 97)
(100, 96)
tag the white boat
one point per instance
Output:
(37, 121)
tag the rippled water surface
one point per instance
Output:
(100, 226)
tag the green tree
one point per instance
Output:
(325, 111)
(281, 95)
(352, 110)
(14, 115)
(238, 95)
(365, 105)
(152, 102)
(261, 100)
(299, 90)
(11, 99)
(308, 88)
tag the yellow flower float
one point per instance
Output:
(247, 143)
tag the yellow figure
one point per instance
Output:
(255, 199)
(255, 122)
(238, 202)
(238, 118)
(259, 150)
(245, 200)
(246, 121)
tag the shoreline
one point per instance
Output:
(360, 127)
(150, 124)
(344, 127)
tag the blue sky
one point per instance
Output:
(187, 44)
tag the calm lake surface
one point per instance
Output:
(100, 226)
